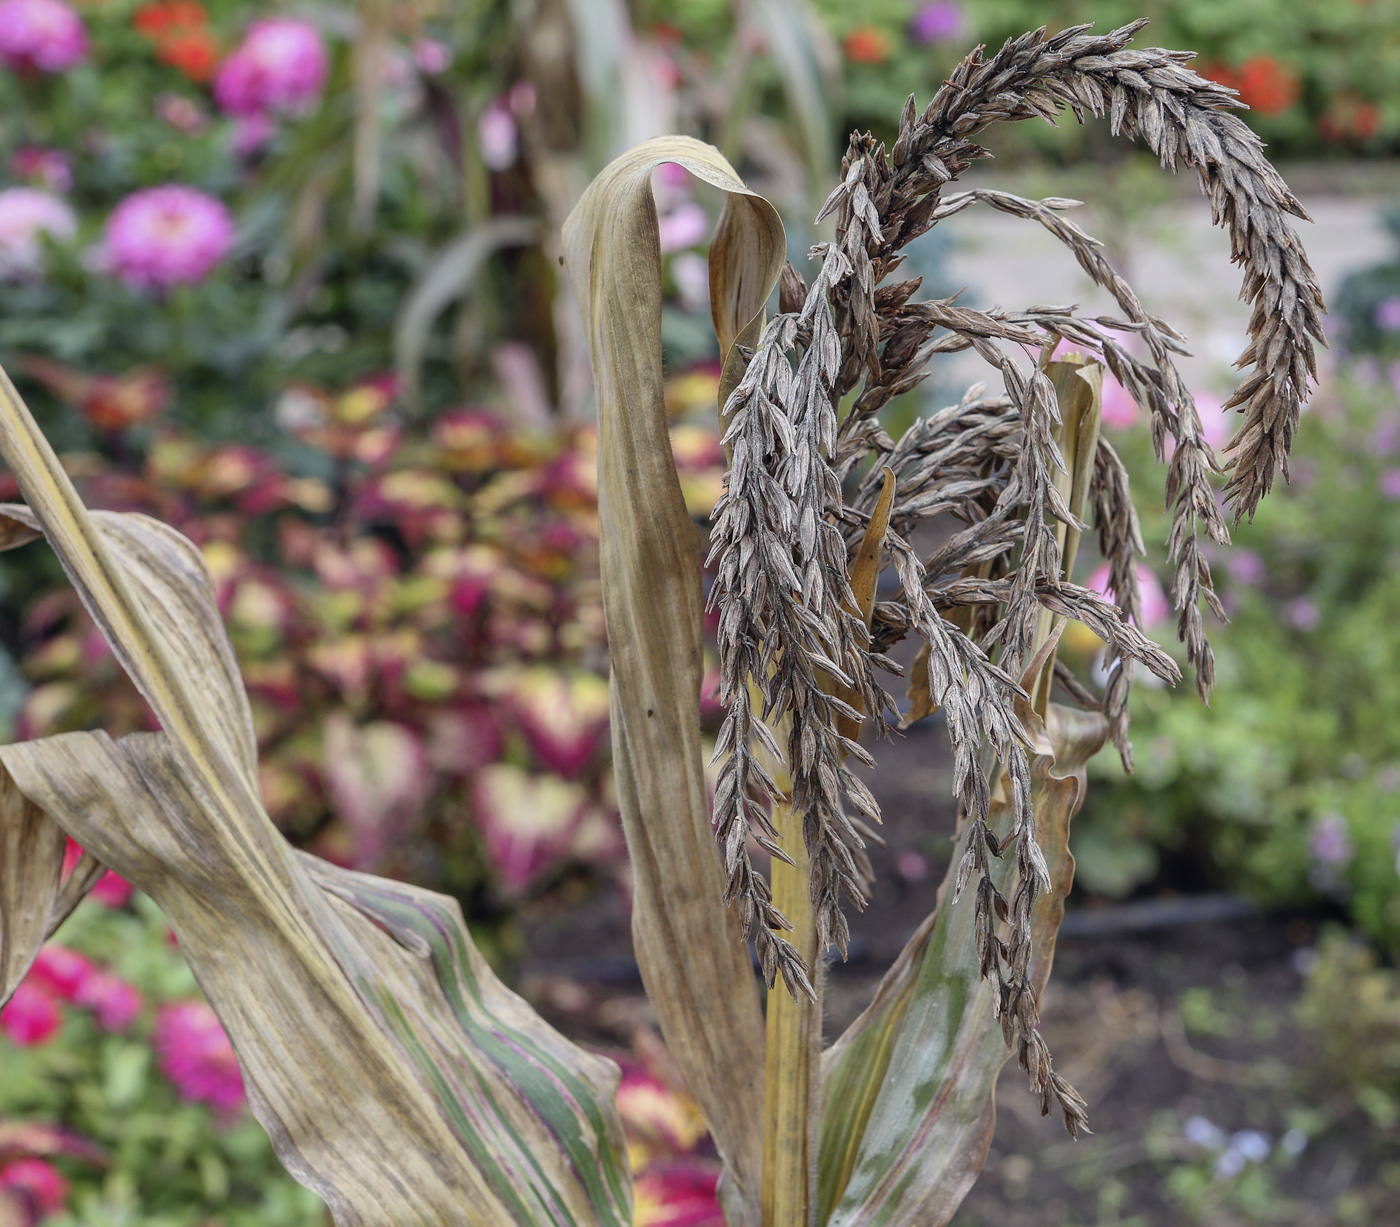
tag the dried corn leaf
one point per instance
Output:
(909, 1088)
(693, 962)
(395, 1076)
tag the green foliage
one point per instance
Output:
(1288, 785)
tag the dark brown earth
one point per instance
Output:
(1125, 976)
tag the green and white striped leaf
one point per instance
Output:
(909, 1088)
(395, 1075)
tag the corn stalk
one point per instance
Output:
(396, 1076)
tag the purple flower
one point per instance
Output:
(40, 35)
(940, 22)
(1390, 483)
(164, 236)
(1245, 568)
(1387, 314)
(1303, 614)
(197, 1057)
(25, 214)
(1330, 843)
(499, 146)
(281, 66)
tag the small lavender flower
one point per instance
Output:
(26, 213)
(1203, 1132)
(280, 66)
(1387, 314)
(165, 236)
(939, 22)
(1253, 1145)
(1390, 483)
(40, 35)
(1246, 568)
(1330, 843)
(1303, 614)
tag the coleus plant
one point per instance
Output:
(395, 1074)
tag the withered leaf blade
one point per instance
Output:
(403, 1086)
(909, 1088)
(31, 861)
(693, 962)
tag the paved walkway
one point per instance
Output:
(1176, 261)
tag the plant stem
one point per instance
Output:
(794, 1046)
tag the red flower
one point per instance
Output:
(181, 32)
(1267, 86)
(867, 45)
(1350, 118)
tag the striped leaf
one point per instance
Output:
(395, 1075)
(909, 1088)
(693, 962)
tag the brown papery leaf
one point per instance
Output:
(394, 1075)
(694, 964)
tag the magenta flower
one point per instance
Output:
(61, 972)
(197, 1057)
(164, 236)
(281, 66)
(30, 1017)
(42, 1184)
(113, 1001)
(40, 35)
(940, 22)
(26, 213)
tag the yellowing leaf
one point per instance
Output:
(694, 965)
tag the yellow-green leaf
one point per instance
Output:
(909, 1088)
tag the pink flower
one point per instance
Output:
(497, 131)
(112, 890)
(281, 66)
(30, 1017)
(50, 169)
(1154, 601)
(44, 1184)
(115, 1002)
(63, 973)
(431, 56)
(40, 35)
(1119, 409)
(1387, 314)
(678, 1195)
(197, 1057)
(164, 236)
(1217, 423)
(26, 213)
(181, 113)
(683, 227)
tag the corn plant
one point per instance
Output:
(395, 1074)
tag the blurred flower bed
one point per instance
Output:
(1288, 786)
(121, 1101)
(1319, 76)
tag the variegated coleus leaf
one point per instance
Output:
(395, 1075)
